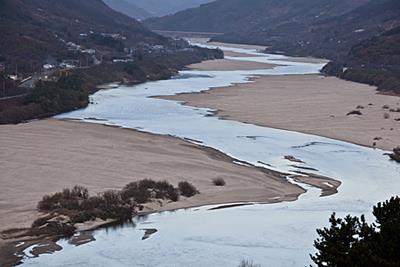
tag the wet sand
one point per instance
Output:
(43, 157)
(311, 104)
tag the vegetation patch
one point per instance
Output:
(187, 189)
(351, 241)
(71, 206)
(219, 182)
(354, 112)
(396, 154)
(248, 264)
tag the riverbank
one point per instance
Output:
(228, 64)
(311, 104)
(43, 157)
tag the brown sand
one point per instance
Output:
(44, 157)
(309, 104)
(227, 64)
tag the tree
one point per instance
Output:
(353, 242)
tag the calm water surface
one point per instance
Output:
(272, 235)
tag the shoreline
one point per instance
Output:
(45, 147)
(276, 104)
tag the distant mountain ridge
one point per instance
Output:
(128, 8)
(319, 27)
(158, 8)
(142, 9)
(359, 36)
(32, 30)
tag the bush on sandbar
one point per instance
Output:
(187, 189)
(219, 182)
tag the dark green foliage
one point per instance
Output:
(135, 71)
(374, 61)
(72, 92)
(187, 189)
(353, 242)
(46, 99)
(54, 97)
(386, 81)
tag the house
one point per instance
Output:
(69, 64)
(157, 48)
(72, 46)
(88, 51)
(48, 67)
(13, 77)
(122, 60)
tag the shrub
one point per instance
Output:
(187, 189)
(353, 242)
(67, 199)
(248, 264)
(144, 190)
(386, 116)
(219, 182)
(396, 154)
(354, 112)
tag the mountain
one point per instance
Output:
(54, 53)
(226, 16)
(128, 8)
(35, 30)
(158, 8)
(375, 61)
(361, 37)
(323, 28)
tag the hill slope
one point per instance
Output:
(318, 27)
(240, 15)
(375, 61)
(34, 30)
(84, 43)
(128, 8)
(158, 8)
(360, 36)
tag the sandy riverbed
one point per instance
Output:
(43, 157)
(310, 104)
(227, 64)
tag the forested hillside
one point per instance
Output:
(37, 30)
(375, 61)
(53, 53)
(352, 33)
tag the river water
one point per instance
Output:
(279, 234)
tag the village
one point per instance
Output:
(85, 51)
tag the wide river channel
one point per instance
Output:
(278, 234)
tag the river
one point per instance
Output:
(278, 234)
